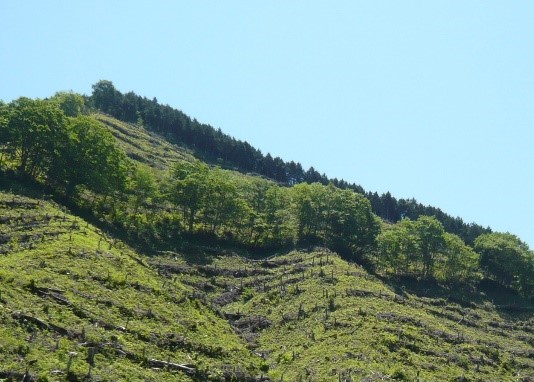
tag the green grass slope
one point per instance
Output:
(314, 317)
(75, 303)
(142, 145)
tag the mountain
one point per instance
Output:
(124, 256)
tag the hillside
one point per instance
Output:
(125, 257)
(313, 316)
(67, 290)
(213, 146)
(143, 146)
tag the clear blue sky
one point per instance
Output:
(426, 99)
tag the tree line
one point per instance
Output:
(55, 143)
(260, 214)
(213, 146)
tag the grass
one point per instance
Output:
(315, 317)
(67, 287)
(144, 146)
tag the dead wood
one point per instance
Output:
(187, 368)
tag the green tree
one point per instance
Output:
(254, 191)
(431, 241)
(399, 247)
(459, 262)
(388, 247)
(268, 218)
(309, 208)
(350, 225)
(106, 98)
(143, 187)
(223, 204)
(281, 225)
(340, 219)
(91, 159)
(507, 259)
(187, 189)
(38, 131)
(412, 246)
(71, 103)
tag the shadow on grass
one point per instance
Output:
(507, 302)
(10, 182)
(202, 247)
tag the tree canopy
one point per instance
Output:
(508, 260)
(43, 143)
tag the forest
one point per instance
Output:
(63, 145)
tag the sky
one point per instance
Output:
(426, 99)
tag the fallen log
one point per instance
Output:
(187, 368)
(42, 324)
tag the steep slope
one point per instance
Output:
(315, 317)
(74, 302)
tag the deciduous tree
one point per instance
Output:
(431, 241)
(187, 189)
(38, 131)
(507, 259)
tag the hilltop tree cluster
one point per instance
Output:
(54, 143)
